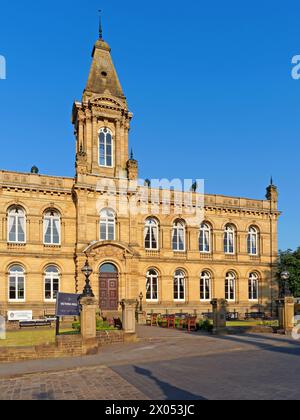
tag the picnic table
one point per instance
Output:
(181, 321)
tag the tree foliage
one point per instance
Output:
(290, 260)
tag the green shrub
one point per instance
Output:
(100, 325)
(205, 325)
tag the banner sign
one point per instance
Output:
(19, 315)
(67, 304)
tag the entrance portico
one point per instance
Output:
(112, 261)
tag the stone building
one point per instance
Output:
(49, 225)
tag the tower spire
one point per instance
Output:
(100, 25)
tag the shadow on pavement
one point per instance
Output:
(252, 339)
(171, 392)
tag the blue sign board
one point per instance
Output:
(67, 304)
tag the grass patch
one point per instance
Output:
(29, 338)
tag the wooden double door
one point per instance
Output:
(109, 291)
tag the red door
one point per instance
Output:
(109, 299)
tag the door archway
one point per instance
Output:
(109, 287)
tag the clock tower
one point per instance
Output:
(102, 122)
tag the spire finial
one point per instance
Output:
(272, 181)
(131, 154)
(100, 25)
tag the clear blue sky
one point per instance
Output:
(209, 84)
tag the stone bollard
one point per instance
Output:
(128, 319)
(88, 318)
(219, 315)
(286, 313)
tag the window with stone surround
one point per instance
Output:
(16, 284)
(107, 225)
(16, 225)
(253, 285)
(205, 238)
(52, 283)
(253, 241)
(230, 287)
(105, 148)
(178, 236)
(52, 228)
(230, 239)
(179, 286)
(205, 286)
(152, 286)
(151, 234)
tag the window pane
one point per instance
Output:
(21, 232)
(111, 232)
(55, 288)
(12, 288)
(12, 229)
(21, 288)
(47, 288)
(103, 236)
(56, 224)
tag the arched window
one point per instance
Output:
(108, 268)
(107, 225)
(178, 236)
(230, 287)
(229, 239)
(151, 234)
(152, 286)
(205, 286)
(252, 242)
(52, 281)
(16, 225)
(105, 148)
(205, 238)
(179, 286)
(52, 228)
(16, 283)
(253, 283)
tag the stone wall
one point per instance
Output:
(66, 346)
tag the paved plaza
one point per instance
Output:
(166, 365)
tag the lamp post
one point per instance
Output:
(141, 297)
(285, 276)
(87, 271)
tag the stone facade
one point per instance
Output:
(79, 202)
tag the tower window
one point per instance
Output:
(103, 74)
(105, 148)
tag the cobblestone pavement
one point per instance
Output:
(99, 383)
(166, 365)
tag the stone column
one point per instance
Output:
(286, 313)
(289, 314)
(280, 306)
(219, 315)
(128, 318)
(88, 318)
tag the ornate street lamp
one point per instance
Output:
(285, 276)
(141, 297)
(87, 271)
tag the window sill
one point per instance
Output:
(16, 301)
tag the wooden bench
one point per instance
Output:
(35, 324)
(255, 315)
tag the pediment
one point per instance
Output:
(110, 249)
